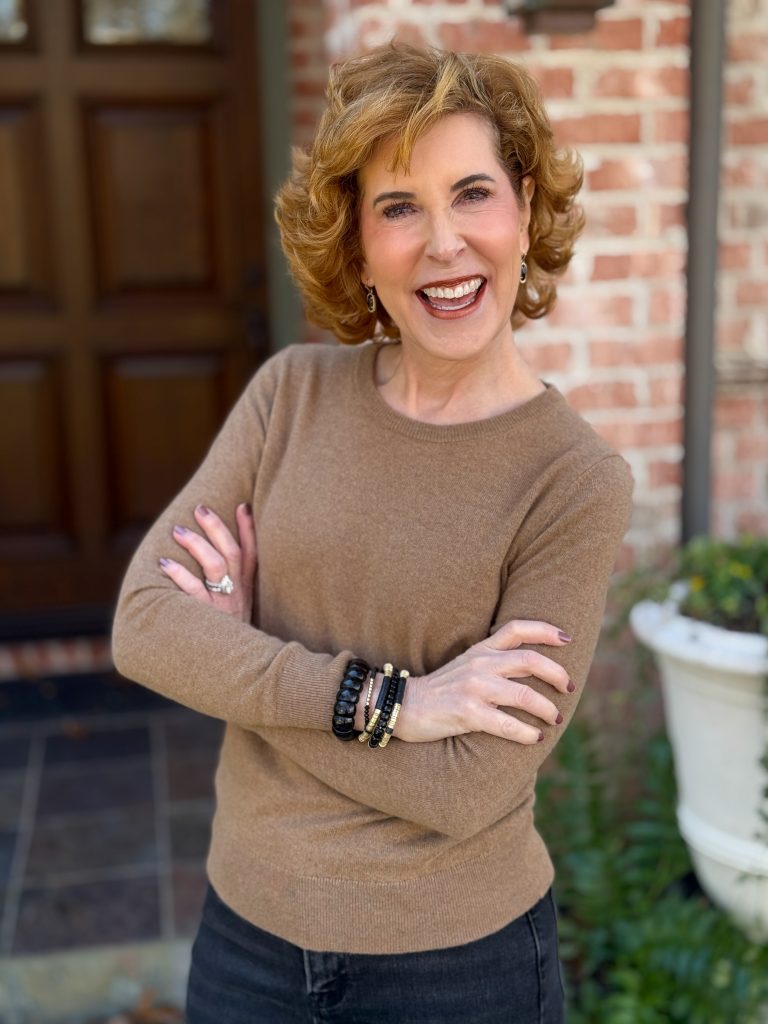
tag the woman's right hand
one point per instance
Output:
(466, 694)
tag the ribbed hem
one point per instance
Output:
(377, 410)
(447, 908)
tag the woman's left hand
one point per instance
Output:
(218, 554)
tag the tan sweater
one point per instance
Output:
(390, 539)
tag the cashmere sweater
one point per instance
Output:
(391, 539)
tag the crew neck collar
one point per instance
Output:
(378, 409)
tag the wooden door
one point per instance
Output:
(131, 276)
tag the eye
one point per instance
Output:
(475, 194)
(396, 210)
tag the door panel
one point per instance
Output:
(131, 260)
(154, 220)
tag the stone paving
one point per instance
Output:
(106, 797)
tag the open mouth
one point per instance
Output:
(457, 297)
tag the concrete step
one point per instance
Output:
(86, 986)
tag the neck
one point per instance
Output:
(441, 391)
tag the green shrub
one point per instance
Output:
(639, 942)
(727, 582)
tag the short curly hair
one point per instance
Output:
(400, 91)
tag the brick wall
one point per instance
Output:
(614, 343)
(741, 433)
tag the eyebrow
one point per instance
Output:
(384, 197)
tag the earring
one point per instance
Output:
(370, 299)
(523, 269)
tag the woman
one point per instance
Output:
(424, 502)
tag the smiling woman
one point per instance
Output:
(423, 503)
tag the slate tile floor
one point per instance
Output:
(106, 798)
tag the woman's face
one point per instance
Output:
(443, 243)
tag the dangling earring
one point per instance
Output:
(523, 270)
(370, 299)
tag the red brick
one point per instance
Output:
(667, 172)
(648, 352)
(668, 215)
(752, 131)
(671, 125)
(741, 91)
(543, 357)
(666, 390)
(752, 293)
(752, 521)
(673, 32)
(729, 484)
(642, 83)
(597, 128)
(597, 310)
(603, 219)
(478, 36)
(732, 334)
(747, 213)
(555, 83)
(733, 255)
(752, 447)
(747, 46)
(642, 434)
(734, 411)
(747, 171)
(665, 474)
(666, 306)
(613, 34)
(617, 394)
(639, 264)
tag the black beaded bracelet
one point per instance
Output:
(343, 723)
(377, 711)
(378, 732)
(389, 728)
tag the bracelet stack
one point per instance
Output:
(379, 725)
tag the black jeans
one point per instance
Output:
(243, 975)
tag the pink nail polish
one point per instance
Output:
(541, 737)
(203, 510)
(559, 720)
(564, 637)
(180, 530)
(571, 686)
(248, 509)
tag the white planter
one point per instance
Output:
(713, 684)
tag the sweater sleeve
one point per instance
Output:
(192, 652)
(558, 571)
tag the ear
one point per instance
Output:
(365, 277)
(526, 195)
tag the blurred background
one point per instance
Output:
(141, 283)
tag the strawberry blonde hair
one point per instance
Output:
(399, 92)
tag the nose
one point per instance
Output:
(444, 243)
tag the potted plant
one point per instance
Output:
(710, 639)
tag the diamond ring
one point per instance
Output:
(224, 586)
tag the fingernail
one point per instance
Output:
(541, 737)
(564, 637)
(203, 510)
(165, 562)
(248, 509)
(181, 530)
(559, 720)
(571, 686)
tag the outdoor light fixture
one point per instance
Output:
(556, 15)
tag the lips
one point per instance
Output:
(456, 296)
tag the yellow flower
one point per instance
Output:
(697, 583)
(740, 570)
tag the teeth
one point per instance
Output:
(466, 288)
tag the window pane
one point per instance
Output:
(125, 22)
(13, 21)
